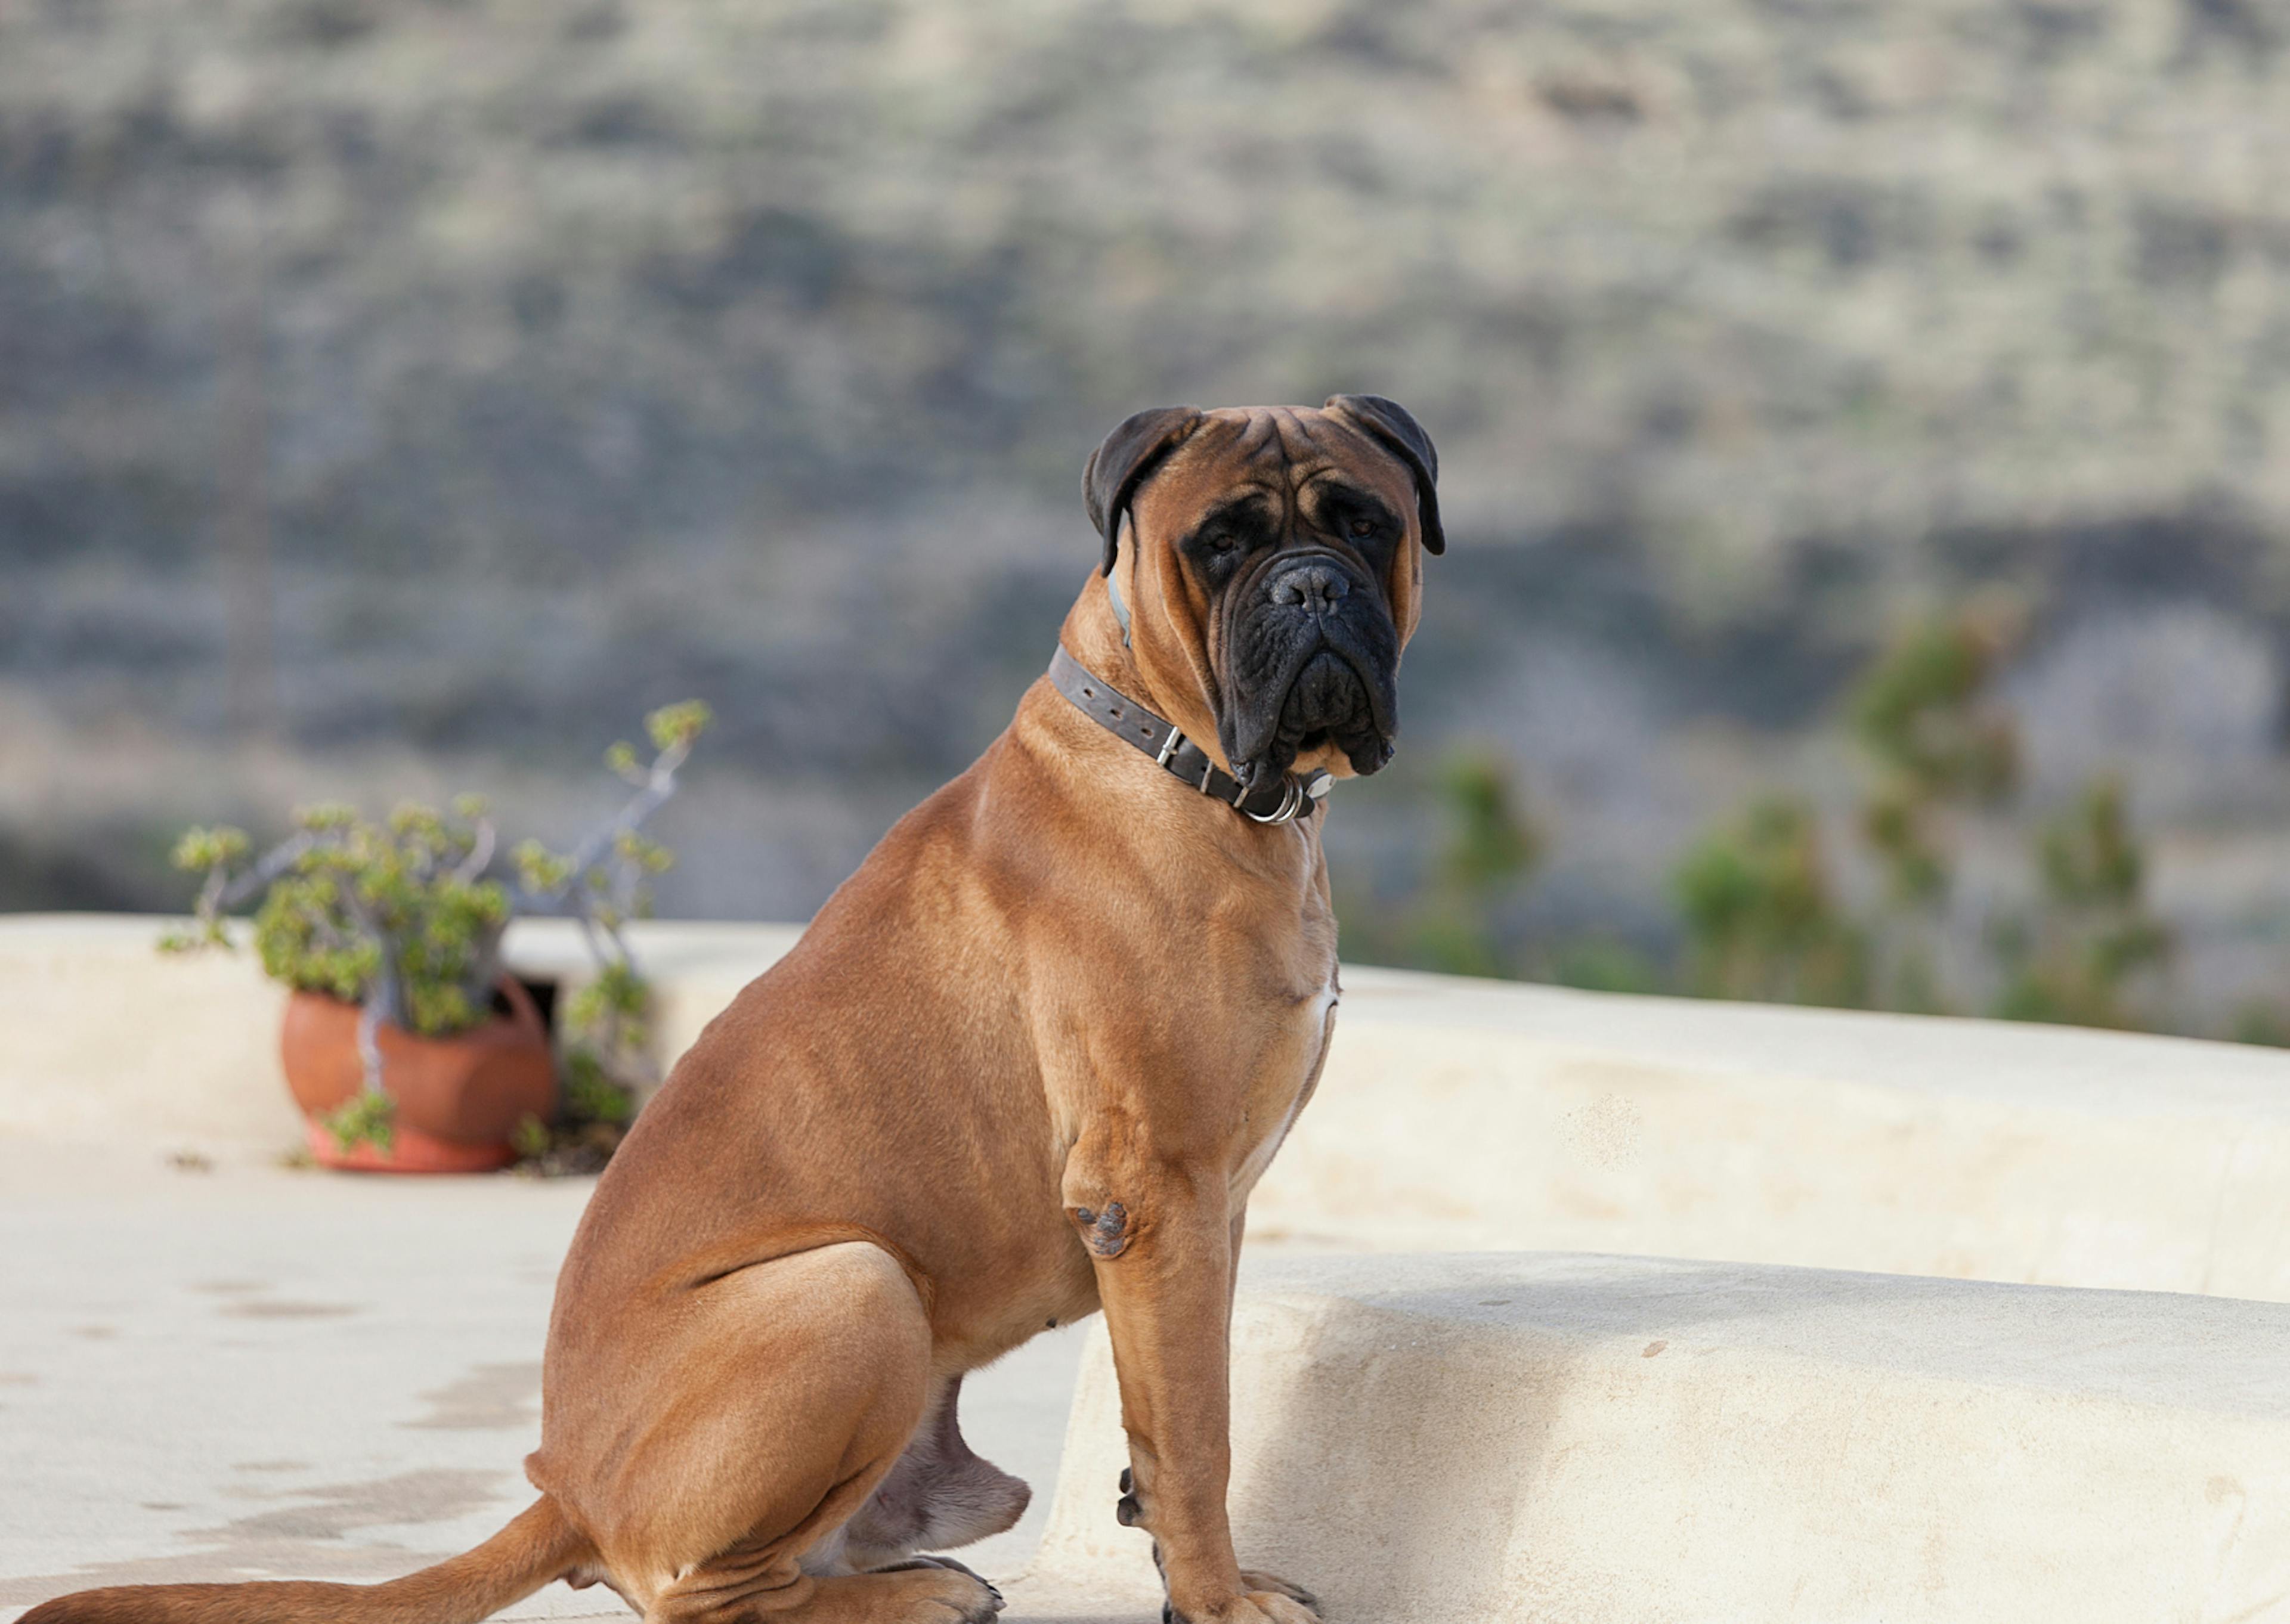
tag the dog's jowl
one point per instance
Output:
(1027, 1063)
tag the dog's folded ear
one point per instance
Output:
(1118, 466)
(1396, 428)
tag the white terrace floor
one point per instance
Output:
(213, 1367)
(251, 1372)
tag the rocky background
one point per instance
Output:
(399, 396)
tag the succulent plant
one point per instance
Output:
(400, 918)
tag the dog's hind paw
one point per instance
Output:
(962, 1598)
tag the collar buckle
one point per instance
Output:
(1292, 802)
(1297, 796)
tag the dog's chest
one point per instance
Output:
(1286, 1082)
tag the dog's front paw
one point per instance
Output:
(1265, 1600)
(1252, 1581)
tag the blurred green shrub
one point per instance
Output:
(1762, 921)
(1490, 849)
(1762, 913)
(2076, 960)
(1924, 715)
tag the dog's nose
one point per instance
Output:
(1317, 587)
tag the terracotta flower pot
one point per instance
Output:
(458, 1098)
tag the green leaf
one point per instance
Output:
(208, 848)
(679, 723)
(369, 1118)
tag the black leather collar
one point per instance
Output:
(1124, 718)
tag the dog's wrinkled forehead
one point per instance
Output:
(1272, 452)
(1163, 467)
(1270, 442)
(1268, 459)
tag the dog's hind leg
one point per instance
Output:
(774, 1401)
(941, 1494)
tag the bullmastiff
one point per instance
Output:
(1026, 1064)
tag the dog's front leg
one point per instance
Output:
(1161, 1236)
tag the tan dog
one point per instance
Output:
(1027, 1063)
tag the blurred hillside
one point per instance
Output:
(406, 393)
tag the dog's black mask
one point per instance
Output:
(1311, 657)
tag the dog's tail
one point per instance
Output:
(540, 1546)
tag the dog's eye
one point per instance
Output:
(1362, 527)
(1224, 545)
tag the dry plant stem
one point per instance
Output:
(656, 786)
(380, 1000)
(481, 852)
(221, 891)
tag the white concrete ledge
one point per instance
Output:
(1474, 1439)
(1455, 1115)
(104, 1039)
(1464, 1115)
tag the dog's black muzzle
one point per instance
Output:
(1313, 659)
